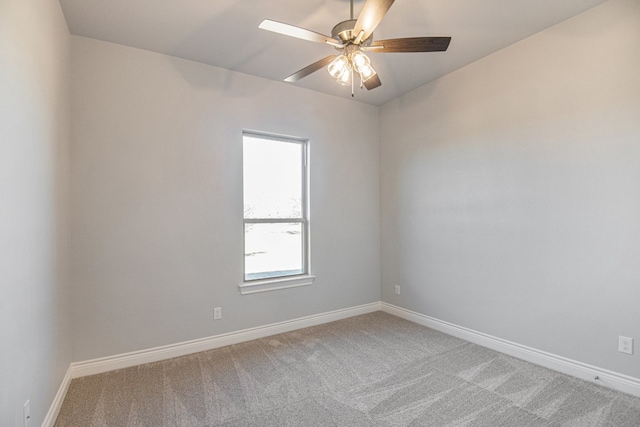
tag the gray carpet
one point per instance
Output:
(370, 370)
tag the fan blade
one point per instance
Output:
(372, 82)
(370, 16)
(411, 44)
(300, 33)
(309, 69)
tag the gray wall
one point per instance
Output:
(510, 191)
(157, 199)
(34, 134)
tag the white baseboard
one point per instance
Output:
(561, 364)
(613, 380)
(54, 409)
(105, 364)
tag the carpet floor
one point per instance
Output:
(371, 370)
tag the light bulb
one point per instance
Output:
(366, 72)
(345, 78)
(360, 61)
(338, 66)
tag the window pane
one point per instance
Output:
(272, 178)
(273, 250)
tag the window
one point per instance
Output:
(276, 226)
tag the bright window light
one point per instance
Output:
(275, 207)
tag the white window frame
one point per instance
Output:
(291, 281)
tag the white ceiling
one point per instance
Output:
(225, 33)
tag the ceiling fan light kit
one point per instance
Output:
(353, 37)
(343, 67)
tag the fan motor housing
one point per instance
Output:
(343, 31)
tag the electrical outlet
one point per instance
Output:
(397, 289)
(217, 313)
(625, 345)
(26, 413)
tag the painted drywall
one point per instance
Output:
(156, 193)
(34, 141)
(510, 192)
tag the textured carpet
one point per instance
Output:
(370, 370)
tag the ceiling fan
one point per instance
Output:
(353, 37)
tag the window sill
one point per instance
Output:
(275, 284)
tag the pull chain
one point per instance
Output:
(352, 81)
